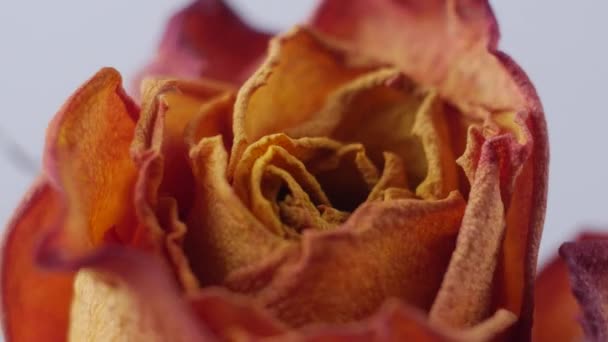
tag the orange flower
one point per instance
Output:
(380, 176)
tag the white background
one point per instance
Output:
(48, 48)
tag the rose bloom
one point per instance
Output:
(379, 173)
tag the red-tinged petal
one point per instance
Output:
(523, 189)
(392, 323)
(120, 294)
(388, 249)
(232, 317)
(159, 229)
(87, 159)
(165, 188)
(587, 262)
(451, 45)
(516, 272)
(465, 297)
(557, 315)
(556, 312)
(29, 294)
(148, 235)
(441, 43)
(176, 232)
(397, 322)
(206, 39)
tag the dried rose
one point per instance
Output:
(382, 175)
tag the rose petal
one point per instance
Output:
(213, 118)
(271, 100)
(176, 233)
(492, 329)
(29, 294)
(523, 184)
(526, 211)
(451, 45)
(393, 322)
(431, 127)
(293, 154)
(393, 176)
(165, 189)
(556, 312)
(232, 317)
(365, 259)
(344, 95)
(465, 297)
(418, 120)
(327, 170)
(124, 295)
(587, 262)
(396, 322)
(223, 235)
(206, 39)
(87, 159)
(168, 108)
(441, 43)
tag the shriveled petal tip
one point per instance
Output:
(587, 262)
(88, 162)
(29, 294)
(442, 43)
(207, 39)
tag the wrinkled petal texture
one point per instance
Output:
(452, 55)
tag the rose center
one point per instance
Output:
(379, 137)
(313, 183)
